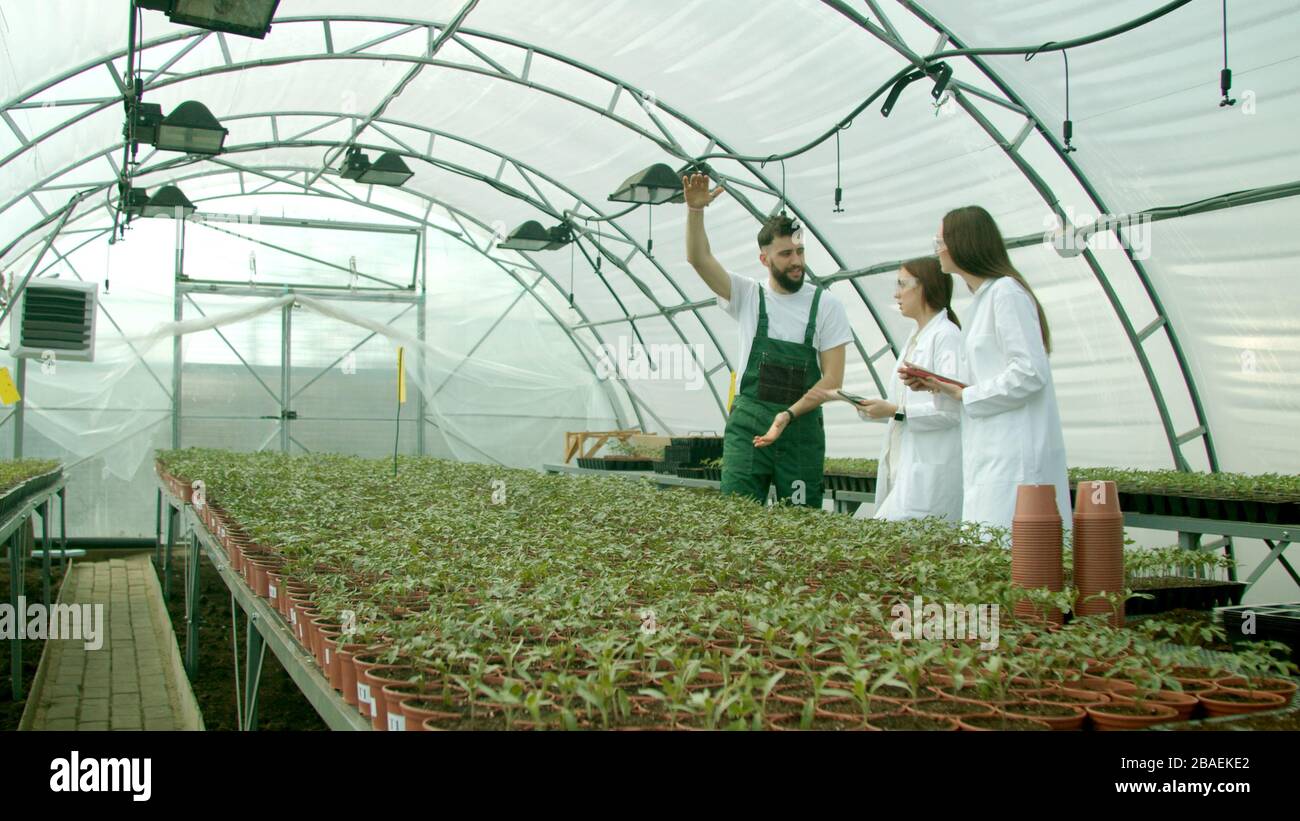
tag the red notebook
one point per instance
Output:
(908, 369)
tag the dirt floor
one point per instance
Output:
(281, 706)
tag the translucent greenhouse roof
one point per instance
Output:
(1181, 350)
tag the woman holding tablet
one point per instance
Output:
(920, 459)
(1010, 427)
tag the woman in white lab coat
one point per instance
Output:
(919, 472)
(1010, 425)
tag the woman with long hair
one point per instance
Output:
(919, 471)
(1010, 425)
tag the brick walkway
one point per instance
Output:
(134, 681)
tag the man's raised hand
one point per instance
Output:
(696, 189)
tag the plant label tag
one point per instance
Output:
(8, 390)
(363, 694)
(327, 657)
(270, 589)
(396, 723)
(293, 617)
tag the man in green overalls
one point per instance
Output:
(791, 340)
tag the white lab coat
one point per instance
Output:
(1010, 427)
(929, 471)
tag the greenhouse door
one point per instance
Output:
(264, 374)
(289, 379)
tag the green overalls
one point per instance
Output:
(777, 374)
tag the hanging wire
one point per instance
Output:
(1069, 124)
(1068, 128)
(650, 232)
(1225, 76)
(572, 252)
(839, 191)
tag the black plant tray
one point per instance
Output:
(1190, 594)
(614, 463)
(18, 495)
(1255, 511)
(709, 474)
(849, 482)
(1273, 622)
(692, 450)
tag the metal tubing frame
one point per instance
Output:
(1044, 190)
(12, 537)
(887, 34)
(192, 286)
(274, 634)
(667, 143)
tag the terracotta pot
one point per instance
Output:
(1230, 702)
(333, 670)
(1219, 677)
(235, 551)
(908, 722)
(318, 625)
(299, 607)
(397, 692)
(945, 708)
(1195, 685)
(1036, 546)
(347, 672)
(1078, 698)
(274, 587)
(1284, 687)
(1098, 548)
(1072, 719)
(821, 720)
(375, 678)
(980, 723)
(416, 711)
(325, 644)
(1184, 703)
(304, 627)
(1105, 685)
(1151, 715)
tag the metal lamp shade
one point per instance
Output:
(651, 186)
(251, 18)
(389, 169)
(192, 129)
(168, 201)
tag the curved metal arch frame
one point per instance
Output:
(544, 206)
(498, 72)
(636, 403)
(889, 37)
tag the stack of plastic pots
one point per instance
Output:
(1098, 549)
(1036, 547)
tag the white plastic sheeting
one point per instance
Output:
(558, 107)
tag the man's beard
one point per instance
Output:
(785, 281)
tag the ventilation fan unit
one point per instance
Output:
(58, 317)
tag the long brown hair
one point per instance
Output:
(976, 246)
(936, 286)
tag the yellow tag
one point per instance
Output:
(731, 392)
(401, 375)
(8, 391)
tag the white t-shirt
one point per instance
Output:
(787, 317)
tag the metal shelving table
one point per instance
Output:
(265, 628)
(37, 503)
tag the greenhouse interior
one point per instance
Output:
(819, 365)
